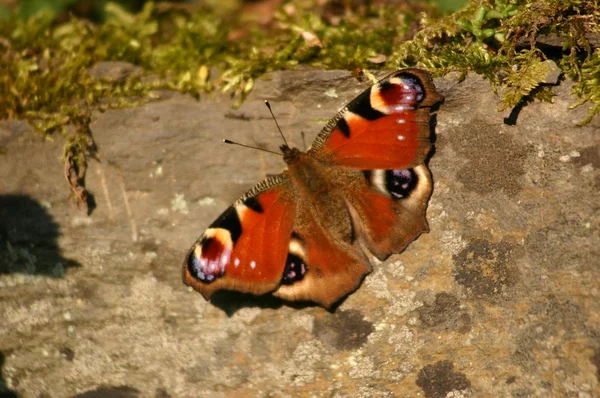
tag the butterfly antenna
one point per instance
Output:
(303, 140)
(277, 124)
(252, 147)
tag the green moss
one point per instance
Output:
(498, 40)
(588, 88)
(46, 62)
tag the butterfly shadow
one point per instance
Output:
(432, 133)
(230, 302)
(28, 239)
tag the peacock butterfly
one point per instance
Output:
(361, 189)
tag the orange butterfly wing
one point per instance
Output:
(246, 247)
(385, 127)
(385, 133)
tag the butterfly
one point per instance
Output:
(360, 190)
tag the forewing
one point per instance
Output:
(245, 249)
(385, 127)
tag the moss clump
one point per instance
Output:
(508, 43)
(588, 88)
(46, 62)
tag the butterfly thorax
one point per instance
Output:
(317, 195)
(290, 155)
(306, 173)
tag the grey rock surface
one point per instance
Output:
(500, 299)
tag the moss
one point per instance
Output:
(500, 40)
(46, 62)
(588, 89)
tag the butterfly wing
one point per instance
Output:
(326, 260)
(323, 263)
(389, 210)
(385, 127)
(246, 247)
(385, 134)
(265, 242)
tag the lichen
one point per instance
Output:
(46, 61)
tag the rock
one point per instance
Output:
(554, 72)
(501, 298)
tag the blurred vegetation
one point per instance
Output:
(47, 53)
(94, 10)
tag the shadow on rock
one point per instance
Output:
(28, 239)
(231, 302)
(4, 391)
(110, 392)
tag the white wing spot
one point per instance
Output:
(236, 262)
(401, 137)
(224, 259)
(253, 264)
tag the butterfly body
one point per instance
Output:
(361, 189)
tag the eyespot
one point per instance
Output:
(209, 257)
(400, 92)
(399, 183)
(295, 265)
(294, 271)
